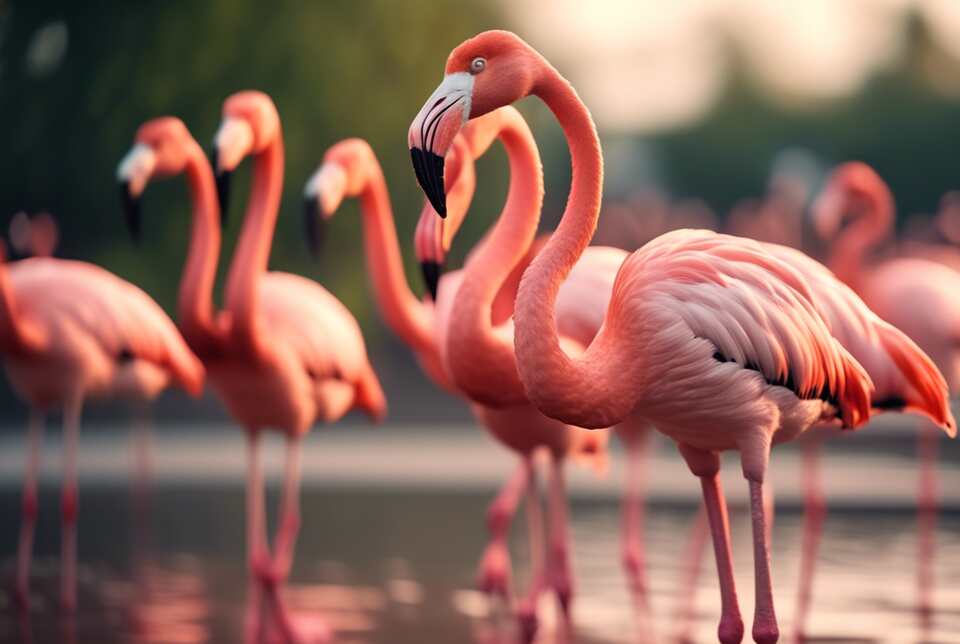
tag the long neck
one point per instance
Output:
(408, 317)
(480, 357)
(195, 302)
(18, 335)
(592, 390)
(849, 252)
(253, 249)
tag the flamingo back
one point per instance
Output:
(82, 303)
(904, 376)
(324, 335)
(755, 309)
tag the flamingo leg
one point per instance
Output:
(765, 630)
(559, 572)
(142, 462)
(632, 517)
(69, 503)
(257, 549)
(289, 527)
(30, 507)
(814, 514)
(706, 466)
(495, 569)
(527, 608)
(927, 508)
(693, 562)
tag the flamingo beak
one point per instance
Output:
(223, 187)
(431, 272)
(322, 197)
(433, 130)
(430, 250)
(233, 141)
(133, 173)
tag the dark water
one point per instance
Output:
(395, 565)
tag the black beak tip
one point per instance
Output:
(223, 187)
(431, 276)
(429, 170)
(313, 225)
(131, 210)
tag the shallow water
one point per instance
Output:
(395, 562)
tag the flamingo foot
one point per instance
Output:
(730, 630)
(766, 632)
(561, 580)
(634, 565)
(263, 569)
(495, 570)
(527, 621)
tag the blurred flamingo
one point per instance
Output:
(713, 339)
(350, 169)
(284, 353)
(69, 331)
(916, 294)
(35, 236)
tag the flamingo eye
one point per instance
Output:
(478, 64)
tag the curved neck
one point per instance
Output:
(593, 390)
(18, 335)
(408, 317)
(195, 301)
(253, 250)
(480, 357)
(849, 252)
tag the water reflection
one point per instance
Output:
(398, 567)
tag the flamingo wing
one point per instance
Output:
(905, 377)
(323, 334)
(753, 308)
(118, 317)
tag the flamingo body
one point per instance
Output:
(106, 337)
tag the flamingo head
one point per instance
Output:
(162, 148)
(852, 189)
(490, 70)
(345, 172)
(250, 123)
(434, 235)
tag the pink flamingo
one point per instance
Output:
(284, 353)
(350, 169)
(70, 331)
(916, 294)
(712, 339)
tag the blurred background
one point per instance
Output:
(700, 99)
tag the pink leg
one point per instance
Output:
(693, 560)
(257, 550)
(69, 507)
(632, 516)
(558, 560)
(927, 509)
(765, 629)
(706, 466)
(495, 569)
(30, 507)
(527, 608)
(813, 516)
(286, 538)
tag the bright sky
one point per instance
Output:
(652, 64)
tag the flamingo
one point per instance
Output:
(350, 169)
(916, 294)
(712, 339)
(70, 331)
(284, 353)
